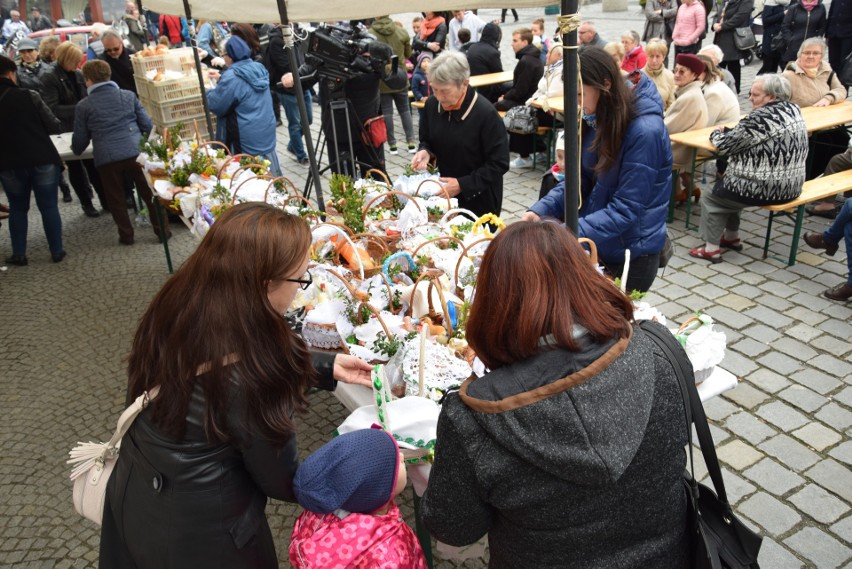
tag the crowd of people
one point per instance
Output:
(525, 453)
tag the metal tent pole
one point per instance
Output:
(572, 144)
(210, 133)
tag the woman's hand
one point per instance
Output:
(717, 27)
(349, 369)
(420, 161)
(433, 46)
(530, 216)
(824, 102)
(287, 80)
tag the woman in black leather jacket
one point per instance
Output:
(433, 33)
(196, 467)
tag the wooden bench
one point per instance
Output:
(812, 190)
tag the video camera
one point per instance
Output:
(340, 53)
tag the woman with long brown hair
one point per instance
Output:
(197, 466)
(569, 452)
(626, 164)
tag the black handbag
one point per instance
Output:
(521, 120)
(744, 39)
(845, 74)
(718, 538)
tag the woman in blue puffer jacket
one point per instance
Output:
(243, 106)
(626, 172)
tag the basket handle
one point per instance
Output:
(378, 316)
(345, 282)
(593, 249)
(433, 276)
(345, 232)
(440, 185)
(457, 211)
(215, 143)
(384, 176)
(687, 323)
(231, 158)
(391, 309)
(464, 254)
(439, 238)
(373, 238)
(384, 195)
(286, 181)
(241, 184)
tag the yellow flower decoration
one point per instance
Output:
(480, 227)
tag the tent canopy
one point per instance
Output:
(264, 11)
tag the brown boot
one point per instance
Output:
(683, 191)
(817, 241)
(696, 193)
(840, 292)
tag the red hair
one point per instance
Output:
(536, 280)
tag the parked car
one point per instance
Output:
(76, 34)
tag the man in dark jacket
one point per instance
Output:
(279, 65)
(527, 72)
(39, 21)
(118, 58)
(484, 57)
(114, 120)
(838, 33)
(32, 69)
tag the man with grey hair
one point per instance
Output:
(14, 25)
(118, 57)
(462, 132)
(766, 156)
(587, 34)
(715, 53)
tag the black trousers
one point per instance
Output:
(643, 271)
(80, 174)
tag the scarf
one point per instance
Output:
(812, 73)
(31, 66)
(458, 105)
(429, 26)
(809, 5)
(651, 72)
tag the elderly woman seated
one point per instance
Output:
(766, 155)
(722, 105)
(814, 84)
(656, 50)
(616, 50)
(688, 112)
(715, 53)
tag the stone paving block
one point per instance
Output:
(844, 396)
(683, 279)
(762, 333)
(806, 315)
(673, 292)
(843, 529)
(717, 408)
(814, 302)
(843, 453)
(777, 556)
(789, 452)
(774, 477)
(748, 427)
(816, 380)
(809, 258)
(832, 365)
(819, 504)
(782, 416)
(768, 380)
(782, 363)
(726, 282)
(836, 327)
(749, 291)
(751, 277)
(730, 318)
(702, 272)
(832, 476)
(805, 270)
(746, 396)
(775, 303)
(803, 332)
(738, 365)
(674, 312)
(775, 517)
(769, 317)
(803, 398)
(749, 347)
(738, 488)
(835, 416)
(794, 347)
(819, 547)
(735, 301)
(781, 290)
(830, 344)
(817, 436)
(738, 454)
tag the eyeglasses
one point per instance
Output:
(113, 50)
(304, 282)
(812, 53)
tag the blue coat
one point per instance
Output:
(113, 119)
(245, 87)
(626, 206)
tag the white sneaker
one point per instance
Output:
(412, 148)
(393, 149)
(521, 162)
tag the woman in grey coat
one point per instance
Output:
(569, 453)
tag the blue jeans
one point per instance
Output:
(19, 184)
(842, 229)
(294, 122)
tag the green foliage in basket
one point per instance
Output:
(390, 346)
(462, 229)
(158, 147)
(462, 313)
(633, 295)
(348, 200)
(220, 193)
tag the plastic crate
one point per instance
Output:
(187, 131)
(169, 90)
(180, 59)
(174, 111)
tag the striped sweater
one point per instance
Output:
(766, 152)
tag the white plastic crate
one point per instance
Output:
(180, 59)
(168, 90)
(187, 130)
(173, 111)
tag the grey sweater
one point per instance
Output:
(568, 460)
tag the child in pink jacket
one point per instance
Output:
(350, 520)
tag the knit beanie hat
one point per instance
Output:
(237, 49)
(355, 472)
(691, 62)
(422, 56)
(560, 141)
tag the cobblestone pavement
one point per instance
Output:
(783, 435)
